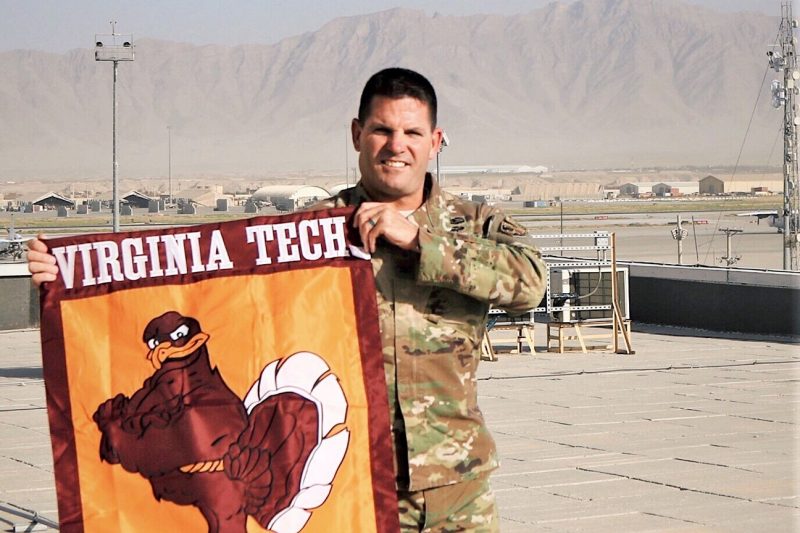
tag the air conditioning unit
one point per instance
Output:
(584, 293)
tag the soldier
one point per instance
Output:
(439, 263)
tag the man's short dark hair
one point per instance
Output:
(396, 83)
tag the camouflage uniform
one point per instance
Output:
(432, 306)
(464, 506)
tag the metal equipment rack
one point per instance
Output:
(555, 303)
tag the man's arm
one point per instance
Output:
(497, 267)
(41, 264)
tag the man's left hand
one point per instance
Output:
(376, 219)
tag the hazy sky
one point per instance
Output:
(60, 25)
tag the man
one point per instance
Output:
(439, 263)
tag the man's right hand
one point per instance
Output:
(41, 264)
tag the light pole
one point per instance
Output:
(169, 165)
(445, 142)
(561, 218)
(347, 156)
(115, 48)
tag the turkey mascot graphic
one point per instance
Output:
(272, 456)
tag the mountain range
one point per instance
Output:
(589, 84)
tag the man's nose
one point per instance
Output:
(396, 142)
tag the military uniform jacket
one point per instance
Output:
(433, 306)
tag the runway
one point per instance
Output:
(640, 236)
(647, 237)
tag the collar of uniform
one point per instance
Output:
(432, 214)
(357, 195)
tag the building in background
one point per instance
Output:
(52, 200)
(744, 184)
(675, 188)
(290, 197)
(562, 191)
(201, 195)
(137, 199)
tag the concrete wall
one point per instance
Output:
(717, 299)
(19, 303)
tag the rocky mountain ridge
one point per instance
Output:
(590, 84)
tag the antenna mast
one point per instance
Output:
(785, 59)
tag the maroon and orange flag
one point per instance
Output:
(224, 377)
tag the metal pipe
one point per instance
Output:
(347, 156)
(27, 514)
(561, 242)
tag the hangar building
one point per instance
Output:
(290, 197)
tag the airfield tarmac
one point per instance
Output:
(647, 237)
(640, 236)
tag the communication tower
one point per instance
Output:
(783, 59)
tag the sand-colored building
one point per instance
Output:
(206, 196)
(746, 183)
(637, 188)
(563, 191)
(676, 188)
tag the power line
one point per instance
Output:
(738, 158)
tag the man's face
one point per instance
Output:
(395, 142)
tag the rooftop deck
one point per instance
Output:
(691, 433)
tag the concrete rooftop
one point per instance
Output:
(691, 433)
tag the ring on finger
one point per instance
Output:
(372, 222)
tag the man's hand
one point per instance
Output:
(41, 264)
(376, 219)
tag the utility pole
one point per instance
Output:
(694, 234)
(729, 259)
(784, 59)
(679, 234)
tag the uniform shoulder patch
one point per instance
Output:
(512, 228)
(457, 224)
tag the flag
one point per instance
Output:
(226, 377)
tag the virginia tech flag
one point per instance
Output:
(223, 377)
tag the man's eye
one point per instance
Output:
(152, 343)
(179, 332)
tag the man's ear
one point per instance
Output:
(436, 142)
(355, 131)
